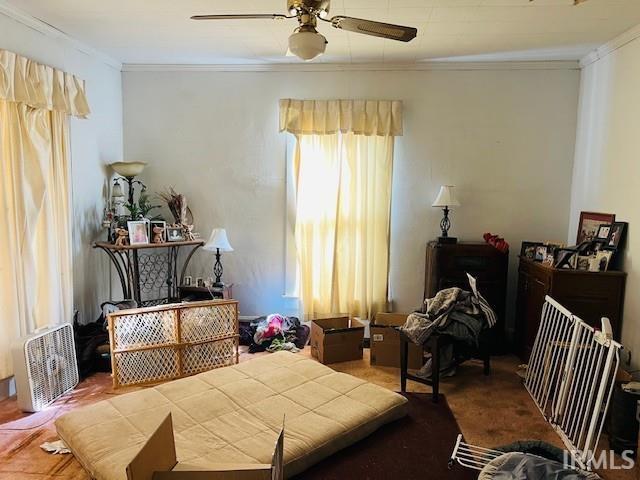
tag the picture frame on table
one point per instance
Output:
(553, 246)
(175, 234)
(549, 259)
(528, 249)
(200, 282)
(616, 236)
(187, 281)
(590, 223)
(138, 232)
(163, 235)
(540, 253)
(566, 258)
(603, 232)
(600, 261)
(583, 262)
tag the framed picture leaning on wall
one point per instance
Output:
(589, 225)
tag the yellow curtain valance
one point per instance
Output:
(321, 117)
(25, 81)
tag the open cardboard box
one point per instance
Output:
(157, 460)
(336, 339)
(385, 342)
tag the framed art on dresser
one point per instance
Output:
(616, 235)
(590, 223)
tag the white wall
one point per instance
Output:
(606, 175)
(95, 142)
(505, 137)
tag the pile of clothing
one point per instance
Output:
(273, 333)
(462, 315)
(93, 353)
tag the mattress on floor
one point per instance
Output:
(233, 415)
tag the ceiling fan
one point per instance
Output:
(306, 42)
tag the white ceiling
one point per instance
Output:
(160, 32)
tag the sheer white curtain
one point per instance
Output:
(343, 166)
(35, 206)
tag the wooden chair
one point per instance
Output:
(434, 344)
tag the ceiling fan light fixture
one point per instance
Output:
(307, 45)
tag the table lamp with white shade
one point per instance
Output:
(446, 198)
(218, 242)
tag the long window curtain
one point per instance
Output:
(343, 166)
(35, 197)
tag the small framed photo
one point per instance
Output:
(528, 249)
(199, 282)
(590, 224)
(549, 259)
(540, 253)
(158, 231)
(603, 232)
(138, 232)
(566, 258)
(175, 234)
(600, 262)
(583, 262)
(616, 235)
(187, 281)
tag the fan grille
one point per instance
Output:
(51, 364)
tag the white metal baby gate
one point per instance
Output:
(570, 377)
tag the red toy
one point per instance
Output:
(496, 241)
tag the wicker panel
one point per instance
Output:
(202, 324)
(145, 329)
(208, 356)
(155, 344)
(147, 366)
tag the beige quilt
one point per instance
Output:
(233, 415)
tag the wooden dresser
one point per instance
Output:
(447, 265)
(589, 295)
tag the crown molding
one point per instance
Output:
(50, 31)
(610, 47)
(353, 67)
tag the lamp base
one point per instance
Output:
(447, 240)
(218, 285)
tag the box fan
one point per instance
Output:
(45, 367)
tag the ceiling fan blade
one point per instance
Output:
(377, 29)
(247, 16)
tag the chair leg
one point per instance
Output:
(487, 363)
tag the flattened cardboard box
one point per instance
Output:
(157, 460)
(338, 339)
(385, 342)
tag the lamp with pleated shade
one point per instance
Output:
(446, 198)
(218, 242)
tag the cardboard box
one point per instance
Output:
(385, 342)
(338, 339)
(157, 460)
